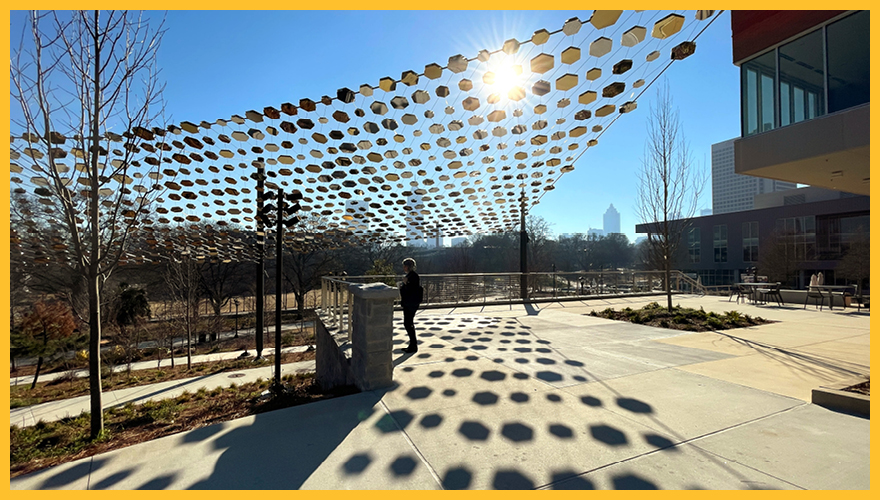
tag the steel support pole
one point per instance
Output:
(279, 256)
(523, 250)
(261, 251)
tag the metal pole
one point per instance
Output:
(236, 318)
(523, 253)
(261, 250)
(279, 228)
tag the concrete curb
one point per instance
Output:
(835, 398)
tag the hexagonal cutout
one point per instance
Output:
(570, 55)
(587, 97)
(667, 26)
(540, 37)
(633, 36)
(542, 63)
(600, 46)
(604, 18)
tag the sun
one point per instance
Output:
(504, 77)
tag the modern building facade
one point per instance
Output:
(720, 248)
(805, 115)
(805, 97)
(732, 192)
(611, 220)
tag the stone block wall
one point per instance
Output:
(364, 360)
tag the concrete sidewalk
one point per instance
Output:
(545, 397)
(56, 410)
(148, 365)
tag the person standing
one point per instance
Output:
(410, 299)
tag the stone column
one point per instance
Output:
(371, 334)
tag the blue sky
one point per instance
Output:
(219, 63)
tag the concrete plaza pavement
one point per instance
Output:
(544, 396)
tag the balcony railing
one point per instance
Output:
(502, 288)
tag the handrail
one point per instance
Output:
(479, 288)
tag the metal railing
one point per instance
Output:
(337, 303)
(483, 288)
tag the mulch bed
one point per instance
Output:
(680, 318)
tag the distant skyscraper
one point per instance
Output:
(705, 211)
(596, 232)
(414, 232)
(611, 220)
(732, 192)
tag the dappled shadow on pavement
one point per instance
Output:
(278, 452)
(506, 413)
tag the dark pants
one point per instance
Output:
(409, 313)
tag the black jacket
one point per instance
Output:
(409, 290)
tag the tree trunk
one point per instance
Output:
(37, 374)
(300, 302)
(97, 415)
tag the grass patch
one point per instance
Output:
(681, 318)
(47, 444)
(22, 395)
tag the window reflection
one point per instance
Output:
(848, 62)
(801, 89)
(801, 66)
(758, 101)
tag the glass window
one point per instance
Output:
(719, 242)
(785, 103)
(798, 235)
(848, 61)
(802, 66)
(694, 244)
(750, 241)
(758, 83)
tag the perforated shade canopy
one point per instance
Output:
(455, 148)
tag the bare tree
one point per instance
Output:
(79, 76)
(461, 258)
(777, 259)
(309, 258)
(856, 263)
(540, 245)
(182, 280)
(670, 184)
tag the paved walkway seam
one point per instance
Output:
(413, 446)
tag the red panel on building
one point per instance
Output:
(756, 30)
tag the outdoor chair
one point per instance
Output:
(773, 292)
(743, 292)
(861, 299)
(815, 293)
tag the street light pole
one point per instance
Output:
(284, 205)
